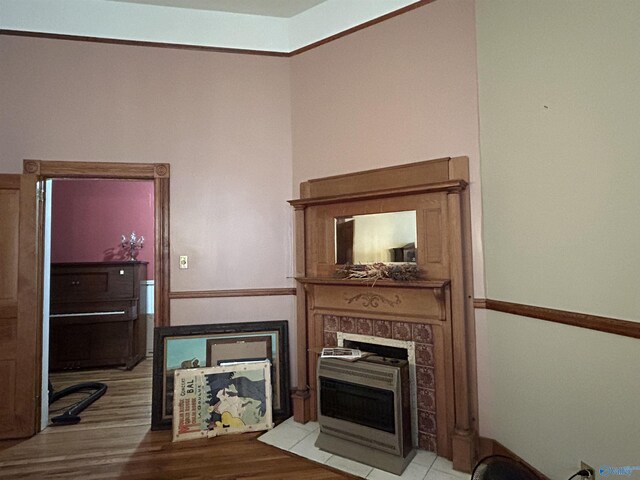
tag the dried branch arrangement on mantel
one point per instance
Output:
(404, 272)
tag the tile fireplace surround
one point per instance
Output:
(422, 336)
(415, 312)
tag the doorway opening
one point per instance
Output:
(101, 287)
(157, 177)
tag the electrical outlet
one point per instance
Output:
(592, 472)
(184, 261)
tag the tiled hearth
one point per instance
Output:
(299, 439)
(422, 335)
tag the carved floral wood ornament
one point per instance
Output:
(373, 300)
(438, 300)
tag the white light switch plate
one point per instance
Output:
(184, 261)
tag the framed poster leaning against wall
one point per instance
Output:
(197, 346)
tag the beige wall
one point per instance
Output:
(401, 91)
(559, 123)
(223, 122)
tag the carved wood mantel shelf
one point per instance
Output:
(436, 313)
(411, 300)
(377, 283)
(448, 186)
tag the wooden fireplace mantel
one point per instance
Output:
(436, 312)
(378, 283)
(417, 301)
(447, 186)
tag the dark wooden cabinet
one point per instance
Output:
(96, 319)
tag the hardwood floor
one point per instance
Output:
(114, 440)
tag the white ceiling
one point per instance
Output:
(268, 8)
(281, 26)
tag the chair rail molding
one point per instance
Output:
(616, 326)
(243, 292)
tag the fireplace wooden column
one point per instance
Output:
(465, 441)
(437, 191)
(300, 396)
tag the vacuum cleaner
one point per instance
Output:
(70, 414)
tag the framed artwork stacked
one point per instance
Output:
(217, 345)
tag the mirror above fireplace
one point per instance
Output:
(376, 237)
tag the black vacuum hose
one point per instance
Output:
(70, 416)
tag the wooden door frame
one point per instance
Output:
(19, 312)
(159, 173)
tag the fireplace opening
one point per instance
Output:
(394, 349)
(386, 351)
(361, 404)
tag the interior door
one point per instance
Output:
(19, 307)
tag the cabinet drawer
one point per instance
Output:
(70, 284)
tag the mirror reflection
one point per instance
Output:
(377, 237)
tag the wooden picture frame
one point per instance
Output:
(244, 349)
(238, 349)
(190, 347)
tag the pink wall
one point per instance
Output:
(221, 120)
(89, 216)
(402, 91)
(241, 132)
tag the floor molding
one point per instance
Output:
(593, 322)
